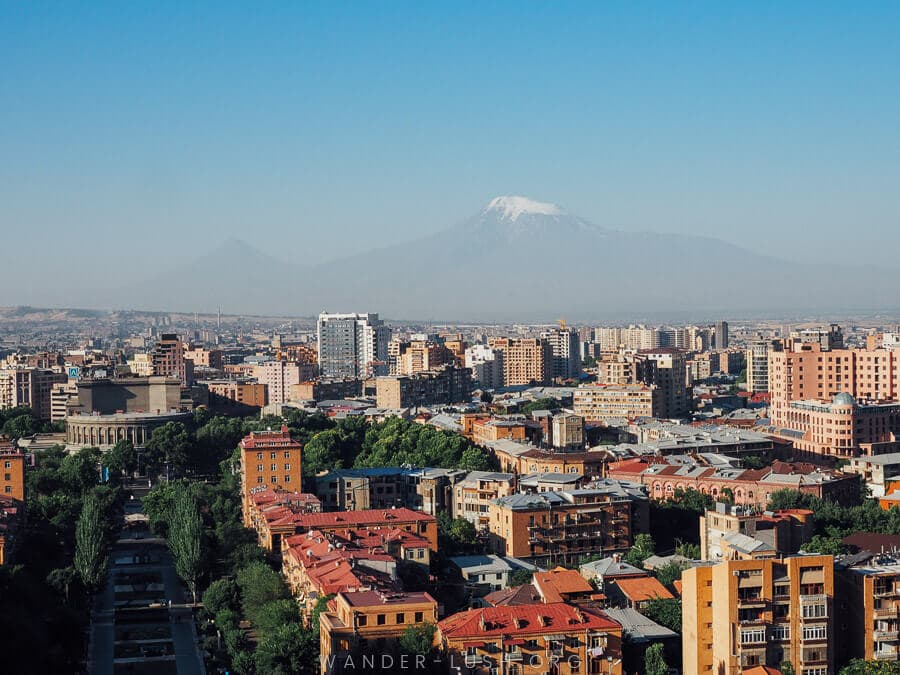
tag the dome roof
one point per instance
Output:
(843, 399)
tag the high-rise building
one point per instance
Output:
(830, 338)
(486, 364)
(564, 344)
(525, 360)
(671, 378)
(29, 387)
(280, 376)
(757, 364)
(447, 384)
(745, 613)
(599, 402)
(168, 360)
(353, 345)
(721, 335)
(869, 591)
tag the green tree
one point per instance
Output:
(688, 550)
(825, 545)
(787, 668)
(520, 576)
(121, 458)
(287, 651)
(643, 548)
(275, 614)
(62, 580)
(185, 532)
(90, 544)
(320, 606)
(666, 612)
(655, 660)
(222, 594)
(169, 444)
(671, 572)
(861, 667)
(541, 404)
(259, 585)
(418, 640)
(20, 426)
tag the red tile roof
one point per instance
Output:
(559, 582)
(366, 517)
(520, 620)
(639, 589)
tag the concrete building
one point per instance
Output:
(472, 496)
(483, 573)
(671, 379)
(104, 431)
(352, 345)
(30, 387)
(757, 359)
(729, 532)
(448, 384)
(129, 395)
(486, 365)
(868, 589)
(877, 471)
(721, 335)
(167, 359)
(564, 345)
(429, 490)
(623, 367)
(62, 395)
(525, 360)
(327, 389)
(419, 356)
(739, 614)
(598, 402)
(830, 338)
(563, 527)
(236, 397)
(279, 376)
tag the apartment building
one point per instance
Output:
(167, 360)
(270, 460)
(473, 495)
(625, 367)
(567, 431)
(427, 489)
(532, 640)
(564, 346)
(671, 379)
(486, 364)
(868, 589)
(367, 624)
(447, 384)
(280, 376)
(525, 360)
(352, 345)
(732, 532)
(562, 527)
(30, 387)
(739, 614)
(601, 402)
(12, 473)
(757, 360)
(234, 396)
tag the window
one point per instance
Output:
(7, 489)
(287, 478)
(7, 464)
(259, 467)
(815, 632)
(274, 480)
(401, 618)
(287, 454)
(362, 620)
(287, 466)
(818, 670)
(380, 619)
(418, 617)
(7, 476)
(273, 455)
(781, 633)
(753, 636)
(258, 455)
(273, 467)
(816, 611)
(259, 479)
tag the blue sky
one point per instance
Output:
(315, 130)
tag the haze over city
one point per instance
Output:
(136, 139)
(450, 338)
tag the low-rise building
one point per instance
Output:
(601, 402)
(730, 532)
(473, 495)
(483, 573)
(325, 389)
(532, 640)
(368, 624)
(877, 471)
(635, 592)
(562, 527)
(561, 585)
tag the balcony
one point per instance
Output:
(886, 592)
(887, 635)
(886, 613)
(514, 657)
(751, 602)
(887, 654)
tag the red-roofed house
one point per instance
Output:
(534, 639)
(636, 592)
(269, 460)
(561, 585)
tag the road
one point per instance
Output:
(141, 622)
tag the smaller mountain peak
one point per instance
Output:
(510, 207)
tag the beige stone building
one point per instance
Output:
(597, 402)
(525, 360)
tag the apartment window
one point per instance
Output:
(380, 619)
(781, 633)
(817, 611)
(287, 466)
(817, 670)
(274, 455)
(7, 489)
(258, 455)
(418, 617)
(401, 618)
(817, 632)
(7, 476)
(287, 454)
(753, 636)
(287, 478)
(7, 464)
(259, 467)
(362, 620)
(259, 479)
(274, 480)
(273, 467)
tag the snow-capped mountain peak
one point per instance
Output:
(510, 207)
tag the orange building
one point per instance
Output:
(12, 473)
(230, 395)
(532, 640)
(484, 428)
(561, 585)
(270, 460)
(525, 360)
(636, 592)
(360, 628)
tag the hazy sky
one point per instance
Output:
(314, 130)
